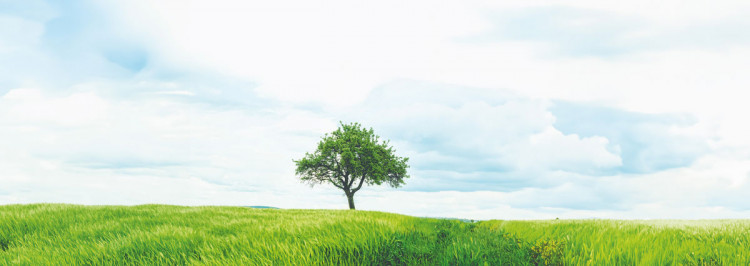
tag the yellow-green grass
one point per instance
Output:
(638, 242)
(56, 234)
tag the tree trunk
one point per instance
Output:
(350, 197)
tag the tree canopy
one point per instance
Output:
(350, 157)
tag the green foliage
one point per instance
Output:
(352, 156)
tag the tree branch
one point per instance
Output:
(343, 184)
(330, 179)
(361, 181)
(351, 182)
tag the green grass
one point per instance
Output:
(56, 234)
(658, 242)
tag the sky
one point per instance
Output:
(506, 109)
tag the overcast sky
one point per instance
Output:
(518, 110)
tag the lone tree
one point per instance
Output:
(350, 157)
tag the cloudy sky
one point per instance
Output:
(518, 110)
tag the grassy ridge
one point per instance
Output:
(170, 235)
(659, 242)
(56, 234)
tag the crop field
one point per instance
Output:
(57, 234)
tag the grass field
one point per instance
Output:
(56, 234)
(659, 242)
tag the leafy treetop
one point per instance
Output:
(352, 156)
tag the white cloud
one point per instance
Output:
(488, 136)
(127, 107)
(671, 12)
(552, 149)
(30, 106)
(18, 33)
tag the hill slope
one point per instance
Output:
(168, 235)
(60, 234)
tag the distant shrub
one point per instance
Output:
(547, 252)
